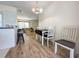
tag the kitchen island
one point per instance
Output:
(7, 40)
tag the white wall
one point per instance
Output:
(9, 14)
(60, 14)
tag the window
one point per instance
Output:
(0, 20)
(23, 25)
(26, 24)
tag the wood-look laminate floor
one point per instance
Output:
(31, 49)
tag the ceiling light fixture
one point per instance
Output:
(36, 9)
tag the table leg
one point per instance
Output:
(42, 41)
(71, 53)
(55, 47)
(48, 42)
(36, 36)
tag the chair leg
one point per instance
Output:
(40, 38)
(48, 42)
(55, 48)
(71, 53)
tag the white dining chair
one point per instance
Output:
(49, 36)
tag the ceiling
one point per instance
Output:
(26, 7)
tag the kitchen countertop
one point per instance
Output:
(6, 27)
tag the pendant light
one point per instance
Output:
(36, 8)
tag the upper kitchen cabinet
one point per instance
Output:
(8, 14)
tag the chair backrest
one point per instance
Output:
(69, 33)
(51, 33)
